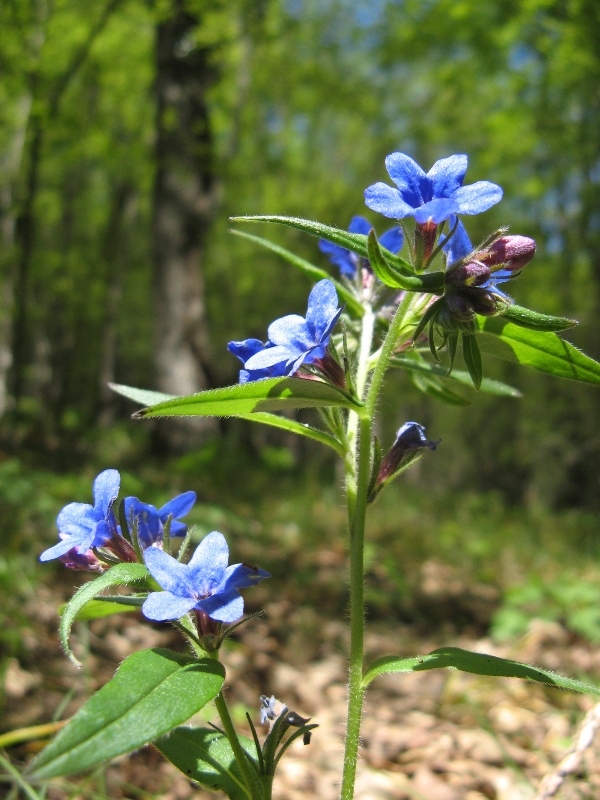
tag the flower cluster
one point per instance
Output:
(473, 275)
(294, 341)
(84, 529)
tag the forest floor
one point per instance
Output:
(436, 735)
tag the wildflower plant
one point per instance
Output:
(411, 300)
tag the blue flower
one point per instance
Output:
(430, 197)
(206, 584)
(247, 348)
(347, 261)
(294, 340)
(150, 521)
(84, 526)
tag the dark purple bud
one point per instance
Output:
(459, 307)
(474, 273)
(409, 439)
(487, 303)
(509, 252)
(331, 371)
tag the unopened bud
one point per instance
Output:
(474, 273)
(409, 439)
(86, 562)
(486, 303)
(509, 252)
(459, 307)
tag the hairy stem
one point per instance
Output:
(357, 487)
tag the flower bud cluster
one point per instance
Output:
(471, 282)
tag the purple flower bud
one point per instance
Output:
(486, 303)
(409, 439)
(459, 308)
(509, 252)
(474, 273)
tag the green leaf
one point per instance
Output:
(386, 273)
(527, 318)
(357, 242)
(488, 385)
(435, 388)
(152, 692)
(476, 663)
(306, 267)
(272, 394)
(472, 358)
(94, 609)
(119, 575)
(542, 350)
(296, 427)
(205, 756)
(145, 397)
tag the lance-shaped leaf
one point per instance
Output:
(357, 242)
(527, 318)
(476, 663)
(119, 575)
(271, 394)
(472, 358)
(306, 267)
(488, 385)
(105, 607)
(205, 756)
(152, 692)
(388, 274)
(299, 428)
(145, 397)
(542, 350)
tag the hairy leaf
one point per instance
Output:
(476, 663)
(527, 318)
(151, 692)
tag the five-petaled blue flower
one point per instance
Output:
(430, 197)
(206, 584)
(84, 526)
(347, 261)
(247, 348)
(295, 340)
(151, 521)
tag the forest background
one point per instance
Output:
(130, 131)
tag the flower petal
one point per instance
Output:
(459, 245)
(272, 356)
(178, 507)
(477, 197)
(227, 607)
(178, 529)
(82, 542)
(436, 211)
(172, 575)
(245, 349)
(161, 606)
(106, 490)
(359, 224)
(291, 329)
(80, 515)
(322, 307)
(415, 186)
(241, 576)
(447, 175)
(392, 240)
(387, 201)
(209, 561)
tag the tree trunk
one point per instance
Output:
(184, 205)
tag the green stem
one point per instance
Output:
(357, 486)
(238, 751)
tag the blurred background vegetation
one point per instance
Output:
(130, 131)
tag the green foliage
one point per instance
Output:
(573, 601)
(475, 663)
(119, 575)
(151, 693)
(205, 756)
